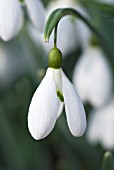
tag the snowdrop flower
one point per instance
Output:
(92, 77)
(101, 126)
(54, 90)
(12, 17)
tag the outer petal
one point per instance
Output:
(11, 18)
(36, 13)
(74, 108)
(44, 108)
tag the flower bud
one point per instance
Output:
(55, 58)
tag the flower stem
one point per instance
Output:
(55, 36)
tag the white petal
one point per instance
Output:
(57, 79)
(74, 108)
(60, 109)
(36, 13)
(11, 18)
(58, 83)
(44, 108)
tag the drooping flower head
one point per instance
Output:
(47, 102)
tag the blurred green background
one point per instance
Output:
(24, 69)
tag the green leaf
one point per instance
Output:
(57, 15)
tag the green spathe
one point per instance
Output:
(55, 58)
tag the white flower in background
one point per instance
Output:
(92, 77)
(12, 17)
(47, 102)
(36, 13)
(101, 126)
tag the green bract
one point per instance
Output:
(55, 58)
(108, 161)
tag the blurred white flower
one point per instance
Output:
(36, 13)
(46, 106)
(12, 18)
(92, 77)
(101, 126)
